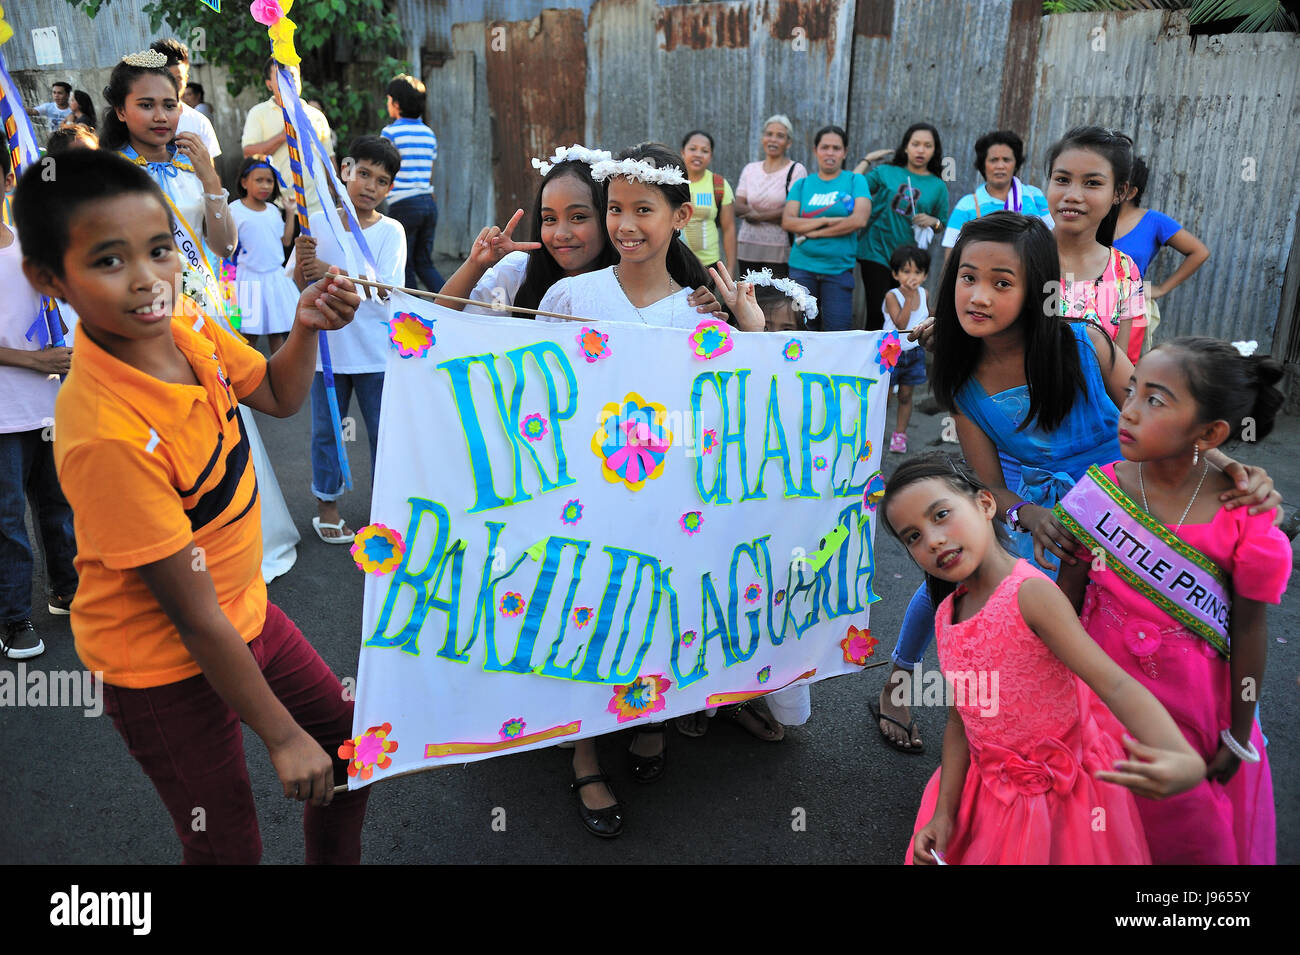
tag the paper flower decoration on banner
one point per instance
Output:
(874, 491)
(582, 616)
(764, 674)
(752, 593)
(369, 751)
(888, 350)
(858, 646)
(512, 728)
(533, 427)
(865, 454)
(711, 339)
(778, 597)
(572, 512)
(641, 697)
(691, 522)
(632, 441)
(793, 350)
(512, 604)
(411, 334)
(708, 441)
(593, 345)
(377, 549)
(6, 31)
(819, 463)
(688, 638)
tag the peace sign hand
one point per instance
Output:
(494, 244)
(739, 297)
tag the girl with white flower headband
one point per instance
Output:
(569, 236)
(647, 203)
(1201, 657)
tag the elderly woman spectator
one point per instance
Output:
(760, 201)
(998, 157)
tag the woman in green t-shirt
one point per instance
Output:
(906, 192)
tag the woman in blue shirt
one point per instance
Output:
(824, 212)
(1140, 234)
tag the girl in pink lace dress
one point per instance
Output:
(1185, 398)
(1030, 749)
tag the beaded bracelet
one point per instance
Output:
(1245, 753)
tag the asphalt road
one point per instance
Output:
(76, 796)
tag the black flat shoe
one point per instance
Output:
(606, 823)
(648, 769)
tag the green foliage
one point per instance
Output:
(1260, 16)
(352, 93)
(1257, 16)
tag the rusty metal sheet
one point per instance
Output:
(1018, 66)
(537, 91)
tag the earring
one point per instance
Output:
(1196, 454)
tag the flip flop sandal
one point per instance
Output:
(909, 729)
(348, 538)
(734, 714)
(693, 724)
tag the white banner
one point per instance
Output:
(576, 527)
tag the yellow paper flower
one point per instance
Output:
(6, 31)
(282, 40)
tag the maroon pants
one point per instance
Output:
(190, 743)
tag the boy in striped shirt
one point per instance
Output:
(411, 202)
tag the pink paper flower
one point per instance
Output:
(858, 646)
(639, 698)
(266, 12)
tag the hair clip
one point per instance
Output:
(574, 153)
(802, 299)
(639, 170)
(1245, 349)
(147, 59)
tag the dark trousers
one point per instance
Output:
(878, 281)
(27, 475)
(419, 217)
(190, 744)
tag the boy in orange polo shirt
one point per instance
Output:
(153, 457)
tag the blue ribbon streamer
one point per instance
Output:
(48, 326)
(327, 366)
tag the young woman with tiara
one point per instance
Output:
(647, 204)
(140, 125)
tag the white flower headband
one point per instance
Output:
(575, 153)
(149, 59)
(639, 170)
(1245, 349)
(802, 298)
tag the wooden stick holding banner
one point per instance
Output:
(435, 296)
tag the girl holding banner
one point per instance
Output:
(140, 125)
(1176, 586)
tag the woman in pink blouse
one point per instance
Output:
(760, 200)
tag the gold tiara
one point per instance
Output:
(149, 59)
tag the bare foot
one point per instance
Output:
(329, 514)
(586, 763)
(898, 686)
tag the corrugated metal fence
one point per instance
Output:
(1215, 115)
(1212, 114)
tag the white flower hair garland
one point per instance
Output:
(638, 169)
(803, 300)
(1245, 349)
(574, 153)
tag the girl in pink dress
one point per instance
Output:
(1029, 748)
(1185, 398)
